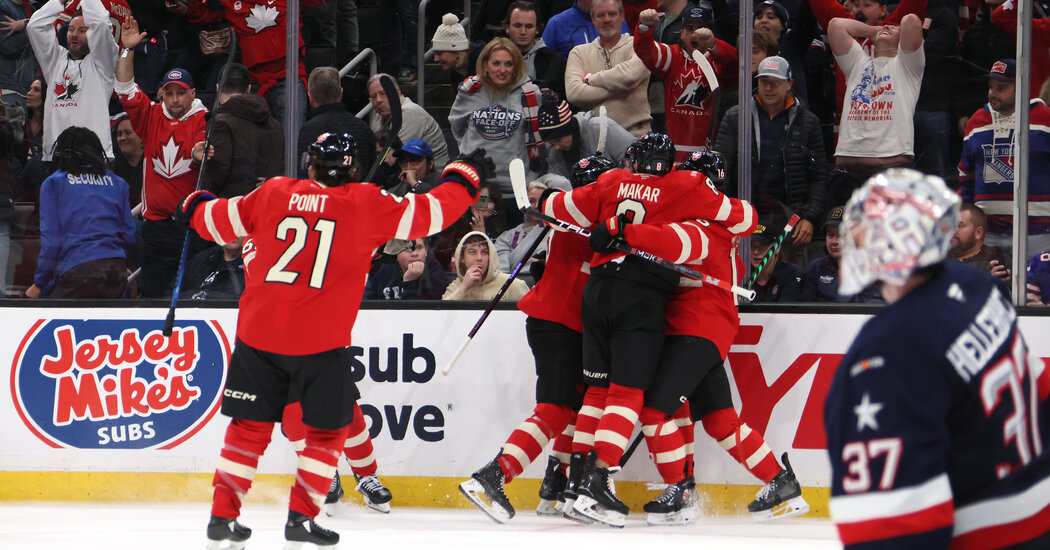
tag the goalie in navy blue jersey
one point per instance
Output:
(937, 417)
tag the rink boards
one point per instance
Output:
(99, 406)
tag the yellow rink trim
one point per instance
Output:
(433, 492)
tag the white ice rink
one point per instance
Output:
(79, 526)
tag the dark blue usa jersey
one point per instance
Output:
(936, 422)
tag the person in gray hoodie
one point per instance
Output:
(477, 272)
(496, 109)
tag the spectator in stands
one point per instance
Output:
(687, 91)
(85, 223)
(33, 136)
(574, 27)
(1005, 18)
(400, 18)
(416, 122)
(762, 46)
(248, 142)
(986, 168)
(793, 37)
(820, 277)
(512, 244)
(482, 217)
(546, 67)
(477, 275)
(932, 111)
(778, 281)
(789, 170)
(497, 110)
(17, 64)
(573, 137)
(80, 76)
(1037, 281)
(452, 50)
(877, 129)
(666, 30)
(969, 248)
(407, 270)
(168, 130)
(328, 115)
(418, 174)
(387, 169)
(217, 273)
(607, 72)
(129, 155)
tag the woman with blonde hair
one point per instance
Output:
(498, 109)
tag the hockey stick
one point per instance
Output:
(394, 100)
(630, 450)
(707, 69)
(169, 321)
(495, 299)
(773, 249)
(603, 130)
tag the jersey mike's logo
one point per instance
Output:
(118, 384)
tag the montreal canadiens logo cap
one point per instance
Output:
(178, 76)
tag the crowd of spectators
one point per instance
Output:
(840, 91)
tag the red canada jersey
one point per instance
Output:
(170, 172)
(312, 248)
(696, 309)
(261, 35)
(118, 13)
(687, 93)
(558, 295)
(678, 196)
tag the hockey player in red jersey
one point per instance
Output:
(314, 240)
(701, 322)
(937, 415)
(554, 330)
(623, 301)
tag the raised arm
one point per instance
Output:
(911, 33)
(99, 36)
(843, 33)
(42, 35)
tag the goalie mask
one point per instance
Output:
(653, 154)
(334, 153)
(897, 222)
(708, 163)
(587, 170)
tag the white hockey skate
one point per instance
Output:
(781, 498)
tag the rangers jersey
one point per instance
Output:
(687, 93)
(558, 295)
(170, 171)
(986, 168)
(695, 308)
(312, 250)
(937, 422)
(1037, 281)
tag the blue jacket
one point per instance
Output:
(82, 219)
(571, 28)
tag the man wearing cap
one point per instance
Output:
(794, 37)
(416, 160)
(688, 101)
(986, 167)
(820, 278)
(573, 137)
(416, 122)
(778, 281)
(788, 167)
(882, 89)
(606, 71)
(172, 133)
(80, 76)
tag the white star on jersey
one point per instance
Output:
(866, 412)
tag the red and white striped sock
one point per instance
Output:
(358, 446)
(687, 427)
(317, 465)
(529, 439)
(245, 442)
(587, 419)
(745, 445)
(562, 447)
(622, 405)
(666, 446)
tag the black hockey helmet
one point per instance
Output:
(653, 153)
(335, 153)
(709, 163)
(587, 170)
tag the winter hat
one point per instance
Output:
(556, 119)
(450, 36)
(778, 9)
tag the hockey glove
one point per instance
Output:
(543, 200)
(606, 236)
(537, 265)
(470, 171)
(184, 211)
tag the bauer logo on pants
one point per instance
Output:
(118, 384)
